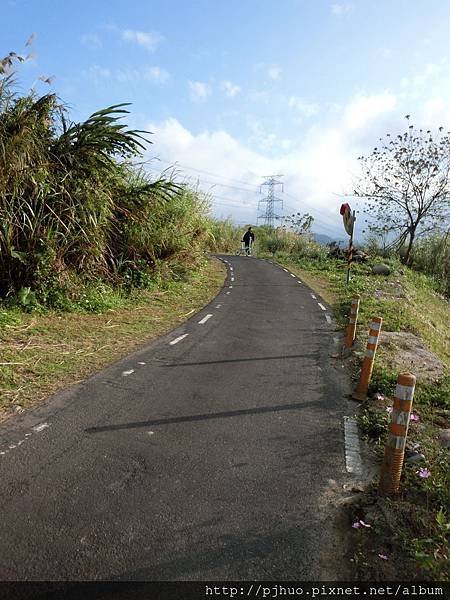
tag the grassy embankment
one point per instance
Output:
(43, 352)
(409, 534)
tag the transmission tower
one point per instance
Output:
(269, 213)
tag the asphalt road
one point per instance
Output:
(208, 458)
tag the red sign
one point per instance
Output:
(347, 216)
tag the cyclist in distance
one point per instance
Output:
(248, 239)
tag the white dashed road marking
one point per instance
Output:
(40, 427)
(292, 275)
(141, 363)
(178, 339)
(228, 293)
(204, 319)
(232, 279)
(285, 270)
(218, 306)
(321, 306)
(126, 373)
(230, 286)
(312, 296)
(328, 318)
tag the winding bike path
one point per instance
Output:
(203, 456)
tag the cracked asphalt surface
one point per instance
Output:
(204, 459)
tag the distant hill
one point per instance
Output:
(323, 239)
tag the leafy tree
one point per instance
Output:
(407, 184)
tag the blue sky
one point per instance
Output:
(236, 90)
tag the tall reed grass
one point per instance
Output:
(74, 209)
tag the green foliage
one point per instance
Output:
(27, 298)
(431, 255)
(276, 244)
(73, 207)
(434, 394)
(289, 243)
(373, 424)
(225, 236)
(383, 381)
(9, 318)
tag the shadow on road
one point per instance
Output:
(237, 360)
(276, 552)
(203, 417)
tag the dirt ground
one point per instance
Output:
(408, 354)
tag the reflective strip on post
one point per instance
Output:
(360, 392)
(351, 327)
(394, 453)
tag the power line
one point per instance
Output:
(236, 202)
(269, 214)
(323, 224)
(209, 173)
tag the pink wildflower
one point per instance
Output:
(414, 417)
(356, 525)
(383, 557)
(424, 472)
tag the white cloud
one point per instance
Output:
(265, 140)
(230, 89)
(312, 172)
(262, 97)
(435, 112)
(199, 91)
(155, 75)
(319, 167)
(363, 109)
(341, 9)
(274, 72)
(306, 109)
(91, 40)
(430, 71)
(97, 74)
(147, 39)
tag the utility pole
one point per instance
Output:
(269, 213)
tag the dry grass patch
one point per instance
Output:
(46, 353)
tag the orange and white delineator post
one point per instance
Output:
(394, 453)
(366, 371)
(351, 327)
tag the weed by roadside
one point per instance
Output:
(412, 529)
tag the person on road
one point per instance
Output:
(248, 239)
